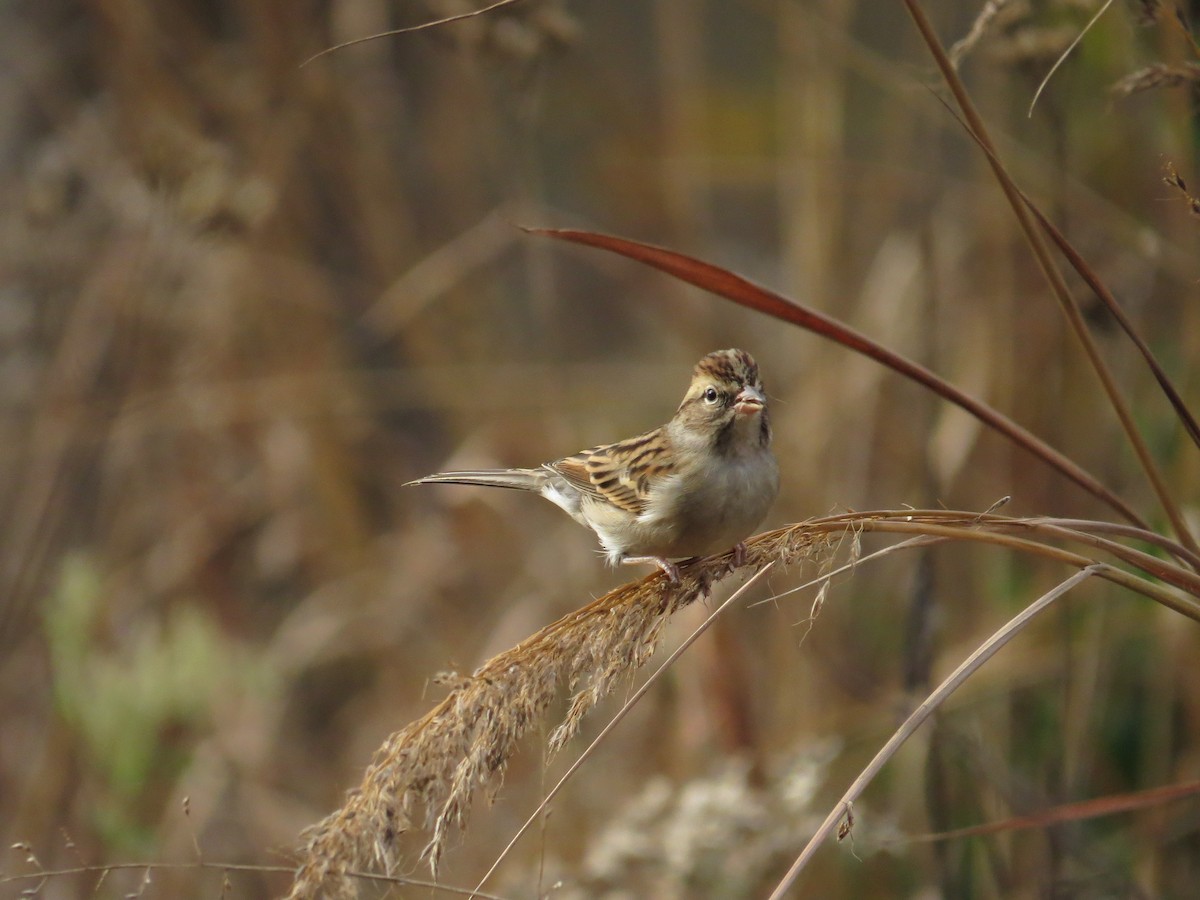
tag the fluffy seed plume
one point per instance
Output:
(1172, 178)
(1147, 12)
(983, 22)
(426, 775)
(1159, 75)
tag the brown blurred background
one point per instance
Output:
(243, 301)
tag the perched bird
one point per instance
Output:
(693, 487)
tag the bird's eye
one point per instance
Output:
(711, 395)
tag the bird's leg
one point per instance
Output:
(739, 554)
(666, 565)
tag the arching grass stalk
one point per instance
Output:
(955, 680)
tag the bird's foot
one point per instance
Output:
(739, 554)
(671, 570)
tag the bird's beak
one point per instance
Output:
(749, 401)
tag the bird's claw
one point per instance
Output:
(669, 568)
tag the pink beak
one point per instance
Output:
(749, 401)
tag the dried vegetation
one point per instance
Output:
(244, 300)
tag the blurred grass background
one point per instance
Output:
(243, 301)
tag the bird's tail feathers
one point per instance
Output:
(517, 479)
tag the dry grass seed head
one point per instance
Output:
(1147, 12)
(426, 774)
(1159, 75)
(984, 22)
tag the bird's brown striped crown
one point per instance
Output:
(729, 366)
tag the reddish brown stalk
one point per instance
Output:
(1059, 287)
(1093, 281)
(1070, 812)
(1085, 271)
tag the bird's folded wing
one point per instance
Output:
(621, 474)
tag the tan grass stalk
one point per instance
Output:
(446, 20)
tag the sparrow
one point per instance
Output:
(695, 486)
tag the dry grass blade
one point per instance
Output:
(733, 287)
(1063, 57)
(447, 20)
(968, 667)
(1058, 286)
(425, 776)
